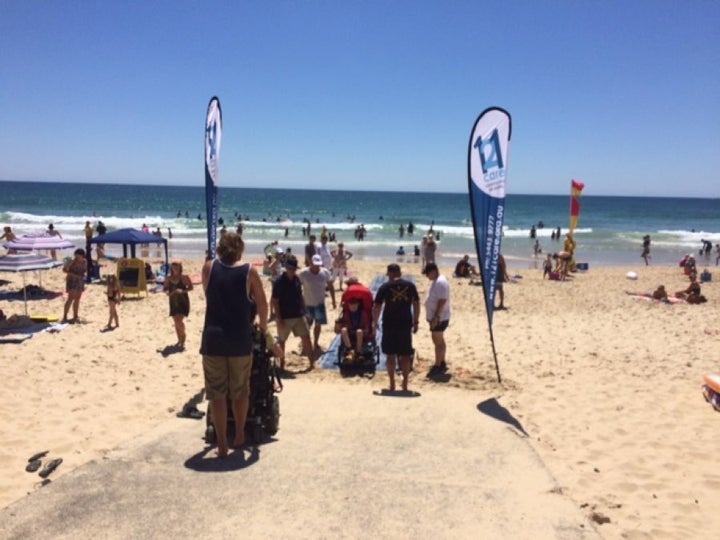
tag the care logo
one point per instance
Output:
(491, 157)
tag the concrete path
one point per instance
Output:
(346, 463)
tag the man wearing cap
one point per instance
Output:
(315, 281)
(437, 313)
(400, 317)
(288, 307)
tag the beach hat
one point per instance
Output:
(317, 260)
(393, 269)
(292, 263)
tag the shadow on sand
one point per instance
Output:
(492, 408)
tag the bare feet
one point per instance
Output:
(239, 441)
(222, 451)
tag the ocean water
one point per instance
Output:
(609, 231)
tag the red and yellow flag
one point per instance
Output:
(575, 192)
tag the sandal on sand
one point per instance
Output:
(34, 465)
(50, 467)
(191, 412)
(39, 455)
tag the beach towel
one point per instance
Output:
(669, 300)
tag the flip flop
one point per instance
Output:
(34, 465)
(50, 467)
(39, 455)
(191, 412)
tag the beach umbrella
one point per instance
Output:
(26, 262)
(31, 242)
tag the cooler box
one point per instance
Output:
(705, 276)
(582, 266)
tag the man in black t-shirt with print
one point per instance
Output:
(289, 310)
(399, 303)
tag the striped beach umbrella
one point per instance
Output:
(31, 242)
(26, 262)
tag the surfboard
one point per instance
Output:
(713, 381)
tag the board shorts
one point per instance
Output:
(316, 314)
(227, 376)
(397, 340)
(298, 326)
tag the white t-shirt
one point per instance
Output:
(324, 252)
(314, 285)
(439, 289)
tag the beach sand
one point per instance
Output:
(606, 386)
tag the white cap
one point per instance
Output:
(317, 260)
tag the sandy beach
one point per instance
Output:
(607, 386)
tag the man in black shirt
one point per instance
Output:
(400, 317)
(289, 310)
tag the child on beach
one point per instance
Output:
(547, 266)
(113, 293)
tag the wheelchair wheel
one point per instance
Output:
(272, 422)
(210, 437)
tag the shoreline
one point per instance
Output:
(595, 377)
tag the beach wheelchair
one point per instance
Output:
(263, 419)
(354, 324)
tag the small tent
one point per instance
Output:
(130, 237)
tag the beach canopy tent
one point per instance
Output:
(26, 262)
(130, 237)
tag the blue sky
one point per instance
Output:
(378, 95)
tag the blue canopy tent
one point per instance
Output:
(130, 237)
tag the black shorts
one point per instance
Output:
(397, 340)
(441, 327)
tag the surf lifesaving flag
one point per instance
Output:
(575, 192)
(487, 181)
(213, 137)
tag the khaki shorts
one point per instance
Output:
(227, 376)
(298, 327)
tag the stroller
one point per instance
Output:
(263, 419)
(357, 315)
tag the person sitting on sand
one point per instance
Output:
(692, 288)
(464, 269)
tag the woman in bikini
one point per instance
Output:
(177, 286)
(74, 283)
